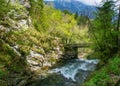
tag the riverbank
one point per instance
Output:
(107, 75)
(71, 73)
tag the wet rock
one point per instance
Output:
(35, 60)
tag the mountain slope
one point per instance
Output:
(73, 7)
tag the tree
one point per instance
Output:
(82, 21)
(104, 32)
(66, 12)
(117, 30)
(36, 12)
(36, 6)
(76, 15)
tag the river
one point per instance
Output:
(72, 73)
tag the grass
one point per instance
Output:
(107, 75)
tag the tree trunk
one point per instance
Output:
(117, 30)
(92, 31)
(8, 2)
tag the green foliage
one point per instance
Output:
(51, 28)
(6, 48)
(81, 20)
(4, 8)
(104, 33)
(58, 24)
(107, 75)
(114, 66)
(66, 12)
(3, 73)
(36, 6)
(76, 15)
(37, 15)
(9, 60)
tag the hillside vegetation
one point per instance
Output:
(39, 32)
(107, 75)
(33, 36)
(106, 31)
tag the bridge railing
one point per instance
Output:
(71, 50)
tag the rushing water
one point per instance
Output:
(72, 73)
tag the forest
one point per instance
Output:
(37, 43)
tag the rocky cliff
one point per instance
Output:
(21, 48)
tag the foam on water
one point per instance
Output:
(70, 70)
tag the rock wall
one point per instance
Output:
(18, 19)
(22, 2)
